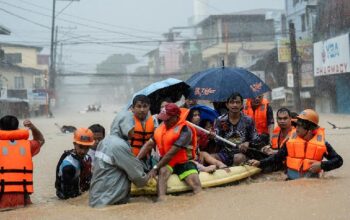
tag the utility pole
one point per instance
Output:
(55, 51)
(295, 67)
(52, 71)
(52, 68)
(226, 42)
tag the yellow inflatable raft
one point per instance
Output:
(218, 178)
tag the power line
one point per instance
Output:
(90, 20)
(56, 15)
(77, 23)
(106, 74)
(25, 19)
(176, 40)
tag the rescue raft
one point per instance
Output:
(218, 178)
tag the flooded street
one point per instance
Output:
(266, 196)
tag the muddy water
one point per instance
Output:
(261, 197)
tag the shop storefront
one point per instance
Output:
(332, 74)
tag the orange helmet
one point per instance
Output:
(309, 115)
(84, 136)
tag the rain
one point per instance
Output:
(66, 64)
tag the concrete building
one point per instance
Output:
(303, 14)
(23, 77)
(28, 57)
(332, 56)
(222, 36)
(153, 61)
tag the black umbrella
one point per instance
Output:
(158, 91)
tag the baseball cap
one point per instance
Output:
(84, 136)
(168, 111)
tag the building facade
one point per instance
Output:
(222, 36)
(332, 56)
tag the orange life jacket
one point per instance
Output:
(301, 153)
(275, 145)
(16, 165)
(141, 135)
(165, 139)
(259, 115)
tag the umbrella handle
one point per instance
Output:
(216, 136)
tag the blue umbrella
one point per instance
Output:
(169, 88)
(206, 113)
(217, 84)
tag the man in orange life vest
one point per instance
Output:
(176, 141)
(261, 112)
(281, 133)
(143, 124)
(305, 150)
(16, 152)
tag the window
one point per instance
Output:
(37, 83)
(302, 18)
(19, 82)
(13, 57)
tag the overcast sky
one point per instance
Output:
(105, 21)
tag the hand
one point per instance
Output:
(211, 134)
(315, 167)
(255, 163)
(27, 123)
(244, 147)
(152, 174)
(267, 150)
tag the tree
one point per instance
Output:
(116, 63)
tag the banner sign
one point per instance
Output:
(332, 56)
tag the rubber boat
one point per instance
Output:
(218, 178)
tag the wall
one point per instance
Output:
(29, 55)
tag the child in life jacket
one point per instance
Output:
(73, 171)
(203, 157)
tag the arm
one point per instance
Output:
(275, 158)
(131, 166)
(182, 143)
(168, 156)
(146, 148)
(252, 135)
(334, 160)
(37, 135)
(271, 128)
(270, 121)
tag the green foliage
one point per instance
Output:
(116, 63)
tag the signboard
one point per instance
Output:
(307, 76)
(37, 97)
(332, 56)
(304, 48)
(278, 93)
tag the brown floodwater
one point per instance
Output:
(266, 196)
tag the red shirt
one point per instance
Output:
(202, 140)
(13, 200)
